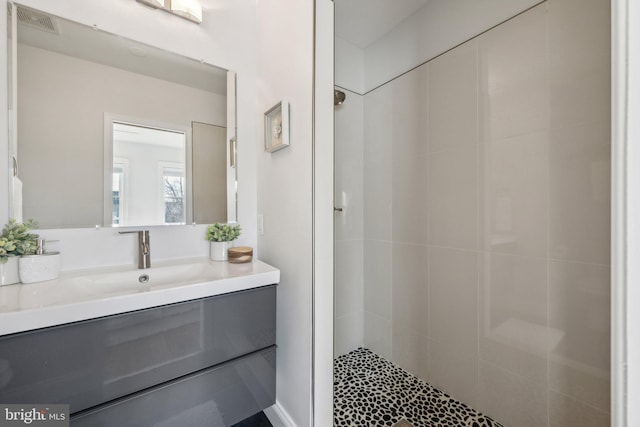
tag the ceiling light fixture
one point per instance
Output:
(153, 3)
(187, 9)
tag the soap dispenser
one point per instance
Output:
(41, 266)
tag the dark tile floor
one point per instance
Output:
(370, 391)
(258, 420)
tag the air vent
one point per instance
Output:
(37, 20)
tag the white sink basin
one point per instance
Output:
(85, 295)
(145, 280)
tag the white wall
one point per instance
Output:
(284, 72)
(225, 38)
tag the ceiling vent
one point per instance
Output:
(37, 20)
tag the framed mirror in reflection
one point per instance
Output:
(113, 132)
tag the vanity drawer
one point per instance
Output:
(217, 397)
(88, 363)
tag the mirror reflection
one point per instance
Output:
(147, 158)
(117, 133)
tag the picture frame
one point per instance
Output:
(276, 127)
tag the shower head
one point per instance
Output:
(338, 97)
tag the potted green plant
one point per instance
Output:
(221, 236)
(15, 241)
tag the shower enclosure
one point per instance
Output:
(472, 230)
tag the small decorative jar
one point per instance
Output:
(240, 254)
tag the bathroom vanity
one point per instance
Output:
(174, 350)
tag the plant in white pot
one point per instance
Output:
(221, 236)
(15, 241)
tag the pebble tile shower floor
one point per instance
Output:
(371, 391)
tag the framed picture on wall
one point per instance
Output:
(276, 127)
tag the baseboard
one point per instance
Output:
(278, 416)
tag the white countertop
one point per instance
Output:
(83, 295)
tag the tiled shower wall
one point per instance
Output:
(349, 234)
(485, 237)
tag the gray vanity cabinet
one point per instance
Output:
(212, 358)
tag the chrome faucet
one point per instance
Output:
(144, 248)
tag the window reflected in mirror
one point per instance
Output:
(173, 195)
(148, 175)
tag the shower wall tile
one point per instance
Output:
(514, 110)
(579, 61)
(349, 224)
(411, 351)
(453, 97)
(454, 373)
(349, 277)
(349, 333)
(514, 191)
(567, 412)
(514, 90)
(453, 198)
(511, 399)
(409, 157)
(579, 307)
(377, 335)
(453, 300)
(513, 329)
(409, 288)
(486, 180)
(580, 178)
(378, 149)
(349, 170)
(377, 278)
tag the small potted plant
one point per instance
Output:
(221, 236)
(15, 241)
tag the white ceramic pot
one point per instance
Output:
(38, 268)
(219, 251)
(10, 271)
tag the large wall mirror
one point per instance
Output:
(113, 132)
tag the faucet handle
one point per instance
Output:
(143, 235)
